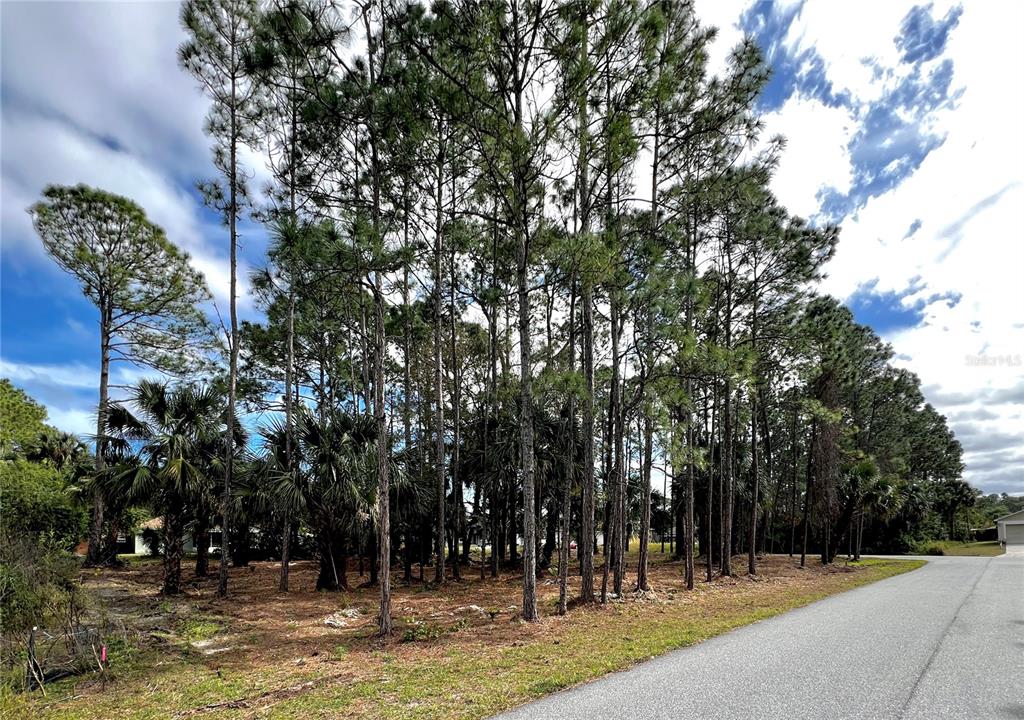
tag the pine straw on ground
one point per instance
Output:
(459, 651)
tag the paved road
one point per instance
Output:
(945, 641)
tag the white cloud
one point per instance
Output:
(117, 114)
(112, 67)
(816, 137)
(965, 198)
(70, 391)
(844, 35)
(724, 15)
(76, 375)
(72, 420)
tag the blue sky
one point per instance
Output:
(901, 125)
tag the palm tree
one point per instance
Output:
(62, 450)
(176, 434)
(883, 500)
(265, 488)
(334, 485)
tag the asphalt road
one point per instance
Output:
(945, 641)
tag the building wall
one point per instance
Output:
(190, 546)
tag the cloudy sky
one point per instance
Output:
(903, 125)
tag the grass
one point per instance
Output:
(139, 559)
(199, 629)
(990, 548)
(445, 662)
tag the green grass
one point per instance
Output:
(199, 629)
(473, 678)
(139, 559)
(990, 548)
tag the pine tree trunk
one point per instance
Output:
(569, 465)
(754, 459)
(586, 538)
(860, 534)
(645, 521)
(407, 389)
(229, 451)
(564, 550)
(439, 486)
(459, 527)
(606, 565)
(752, 540)
(588, 499)
(807, 493)
(96, 553)
(381, 565)
(768, 514)
(617, 478)
(727, 450)
(709, 510)
(792, 491)
(497, 546)
(526, 422)
(286, 531)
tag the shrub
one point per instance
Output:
(930, 548)
(37, 583)
(38, 501)
(420, 631)
(39, 525)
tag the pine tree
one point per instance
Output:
(143, 286)
(220, 39)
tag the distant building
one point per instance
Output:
(1010, 529)
(135, 544)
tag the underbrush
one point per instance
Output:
(930, 548)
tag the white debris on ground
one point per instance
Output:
(217, 645)
(341, 618)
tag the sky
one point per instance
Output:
(902, 126)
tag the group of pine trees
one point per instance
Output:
(525, 267)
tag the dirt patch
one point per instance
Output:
(274, 628)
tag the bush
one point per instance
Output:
(37, 501)
(930, 548)
(37, 583)
(39, 526)
(40, 523)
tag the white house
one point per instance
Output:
(1010, 529)
(136, 544)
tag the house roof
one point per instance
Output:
(1019, 515)
(156, 523)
